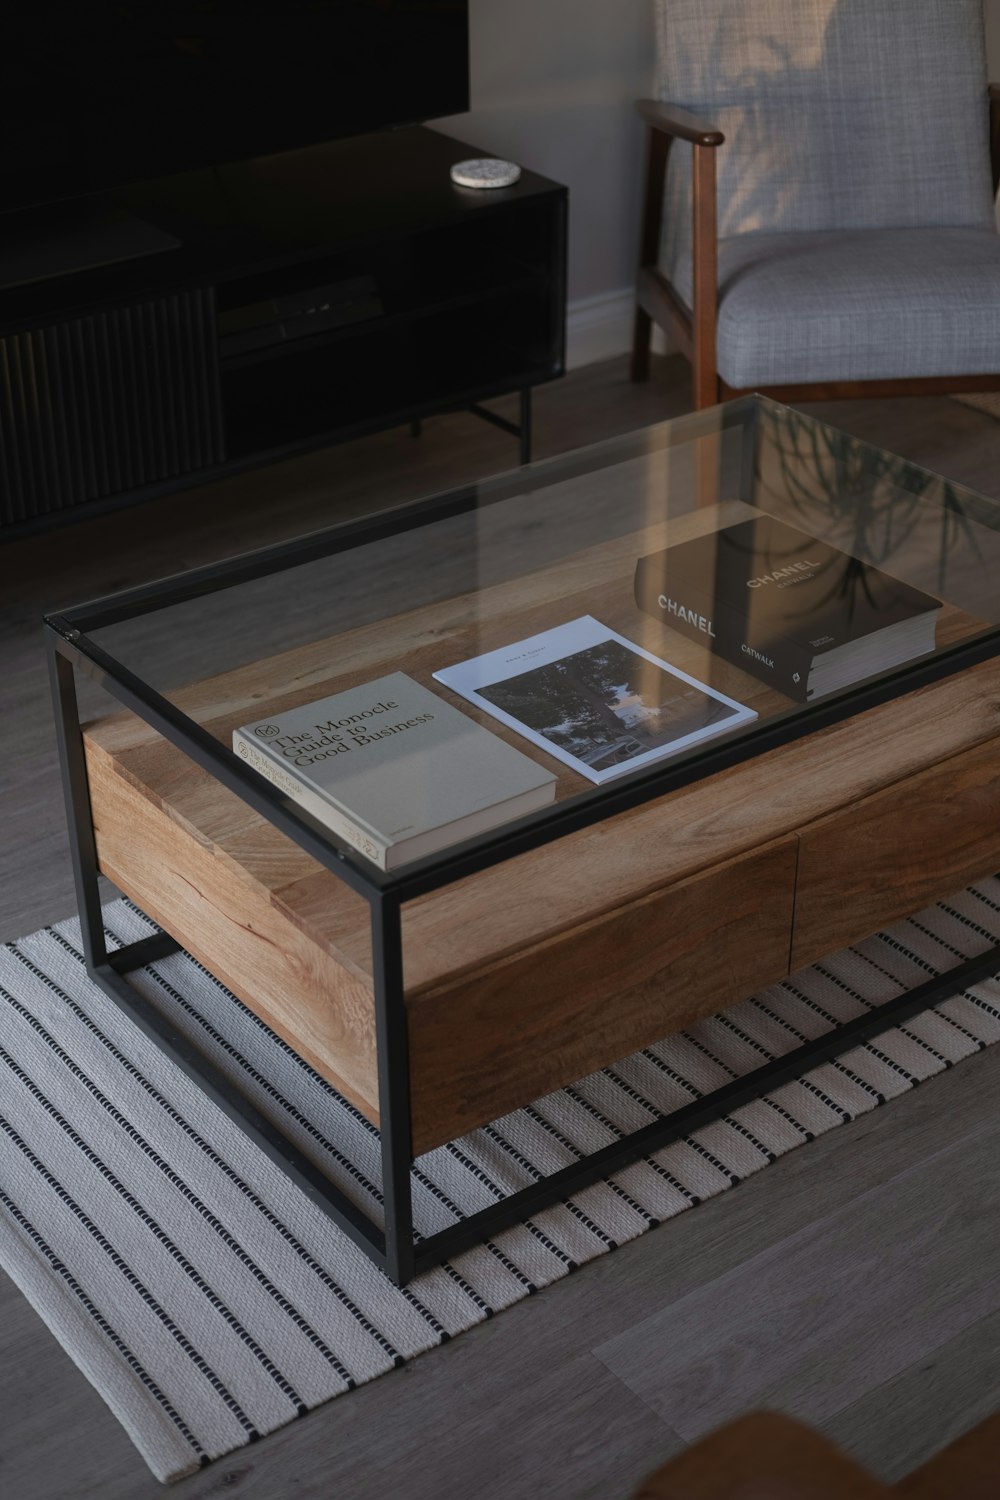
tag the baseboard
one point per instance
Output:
(601, 327)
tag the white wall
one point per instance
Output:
(991, 11)
(553, 84)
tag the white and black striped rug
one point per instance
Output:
(209, 1301)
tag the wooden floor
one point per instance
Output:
(855, 1283)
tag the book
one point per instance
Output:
(394, 770)
(594, 699)
(798, 613)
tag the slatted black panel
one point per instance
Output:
(108, 403)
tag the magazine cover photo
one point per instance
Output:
(594, 699)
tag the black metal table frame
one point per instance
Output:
(392, 1245)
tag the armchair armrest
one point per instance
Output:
(656, 298)
(673, 120)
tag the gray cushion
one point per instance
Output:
(838, 114)
(859, 305)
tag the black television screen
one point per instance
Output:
(95, 94)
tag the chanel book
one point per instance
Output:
(394, 770)
(793, 611)
(594, 699)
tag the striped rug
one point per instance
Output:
(209, 1302)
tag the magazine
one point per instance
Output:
(594, 699)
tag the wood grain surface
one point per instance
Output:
(495, 1039)
(713, 1355)
(210, 900)
(897, 851)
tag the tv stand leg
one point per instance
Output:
(525, 424)
(520, 429)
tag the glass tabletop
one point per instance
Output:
(474, 673)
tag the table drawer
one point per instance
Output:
(896, 851)
(494, 1039)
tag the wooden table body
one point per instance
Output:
(535, 972)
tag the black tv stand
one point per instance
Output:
(302, 299)
(40, 244)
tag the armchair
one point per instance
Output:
(826, 227)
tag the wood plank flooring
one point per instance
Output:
(798, 1343)
(855, 1281)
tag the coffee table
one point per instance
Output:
(442, 995)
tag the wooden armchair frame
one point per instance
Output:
(768, 1456)
(695, 333)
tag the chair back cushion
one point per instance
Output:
(838, 114)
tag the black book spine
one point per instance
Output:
(779, 663)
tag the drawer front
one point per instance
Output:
(897, 851)
(498, 1038)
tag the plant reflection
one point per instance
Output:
(873, 504)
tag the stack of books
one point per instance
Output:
(793, 611)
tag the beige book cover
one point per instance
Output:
(394, 770)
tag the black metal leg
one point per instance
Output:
(76, 790)
(394, 1248)
(520, 429)
(395, 1126)
(80, 825)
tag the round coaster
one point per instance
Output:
(485, 172)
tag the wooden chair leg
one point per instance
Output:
(704, 393)
(705, 276)
(706, 471)
(657, 153)
(642, 330)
